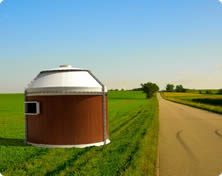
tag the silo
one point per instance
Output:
(66, 107)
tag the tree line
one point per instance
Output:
(150, 89)
(180, 88)
(177, 88)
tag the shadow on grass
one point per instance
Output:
(13, 142)
(216, 102)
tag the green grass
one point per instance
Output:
(133, 131)
(208, 102)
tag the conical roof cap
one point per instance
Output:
(65, 80)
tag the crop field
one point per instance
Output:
(208, 102)
(204, 91)
(133, 131)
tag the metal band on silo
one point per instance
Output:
(104, 106)
(25, 94)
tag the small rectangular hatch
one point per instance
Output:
(32, 108)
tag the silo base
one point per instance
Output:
(70, 146)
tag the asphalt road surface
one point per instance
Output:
(190, 141)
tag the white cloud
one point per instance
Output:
(2, 1)
(220, 1)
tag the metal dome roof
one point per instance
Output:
(65, 80)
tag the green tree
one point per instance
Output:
(209, 92)
(170, 88)
(149, 89)
(179, 88)
(220, 91)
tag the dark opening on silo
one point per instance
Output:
(66, 107)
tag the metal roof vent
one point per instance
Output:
(65, 66)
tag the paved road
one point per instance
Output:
(190, 141)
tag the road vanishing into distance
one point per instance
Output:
(190, 141)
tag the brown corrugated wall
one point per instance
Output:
(66, 120)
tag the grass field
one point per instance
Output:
(133, 130)
(208, 102)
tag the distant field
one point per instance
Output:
(204, 91)
(209, 102)
(133, 130)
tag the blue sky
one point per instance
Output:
(124, 43)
